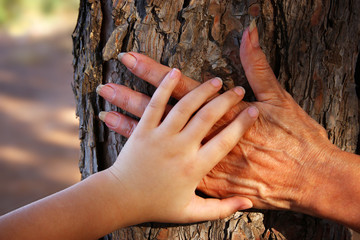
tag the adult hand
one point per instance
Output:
(280, 163)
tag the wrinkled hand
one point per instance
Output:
(163, 161)
(277, 162)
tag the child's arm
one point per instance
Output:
(154, 177)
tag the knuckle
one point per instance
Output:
(145, 73)
(285, 96)
(125, 101)
(142, 70)
(206, 115)
(261, 65)
(154, 103)
(225, 144)
(129, 129)
(181, 110)
(165, 86)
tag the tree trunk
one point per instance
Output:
(312, 47)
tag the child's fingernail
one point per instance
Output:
(239, 91)
(127, 59)
(106, 91)
(253, 112)
(174, 73)
(102, 116)
(254, 35)
(216, 82)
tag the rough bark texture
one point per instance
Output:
(312, 46)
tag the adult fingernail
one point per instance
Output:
(127, 59)
(112, 120)
(252, 25)
(253, 112)
(106, 91)
(239, 91)
(216, 82)
(98, 89)
(102, 116)
(253, 34)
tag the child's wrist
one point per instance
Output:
(123, 204)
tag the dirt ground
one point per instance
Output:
(39, 144)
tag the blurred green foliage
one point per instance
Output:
(14, 10)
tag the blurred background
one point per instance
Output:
(39, 146)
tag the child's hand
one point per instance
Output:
(154, 177)
(162, 163)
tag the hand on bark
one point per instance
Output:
(277, 162)
(163, 161)
(281, 159)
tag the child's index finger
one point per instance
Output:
(157, 105)
(190, 103)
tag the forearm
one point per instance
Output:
(335, 189)
(75, 213)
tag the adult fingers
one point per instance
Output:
(258, 71)
(221, 144)
(182, 111)
(124, 98)
(119, 123)
(157, 105)
(200, 125)
(153, 72)
(213, 209)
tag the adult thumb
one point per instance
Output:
(257, 69)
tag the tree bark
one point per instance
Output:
(312, 46)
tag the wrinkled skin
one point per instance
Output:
(268, 162)
(278, 163)
(275, 158)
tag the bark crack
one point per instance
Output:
(357, 82)
(126, 41)
(141, 8)
(281, 43)
(105, 32)
(186, 3)
(277, 58)
(181, 20)
(226, 229)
